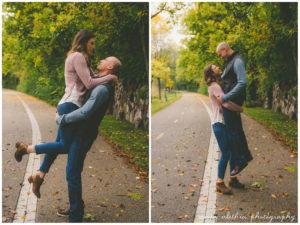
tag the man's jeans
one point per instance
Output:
(63, 140)
(225, 147)
(99, 95)
(77, 153)
(236, 133)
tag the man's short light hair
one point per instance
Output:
(222, 45)
(116, 64)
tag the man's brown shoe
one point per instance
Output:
(37, 182)
(21, 150)
(221, 187)
(234, 182)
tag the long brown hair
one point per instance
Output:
(80, 44)
(210, 77)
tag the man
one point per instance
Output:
(90, 115)
(235, 83)
(86, 119)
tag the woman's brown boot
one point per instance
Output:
(221, 187)
(37, 182)
(21, 150)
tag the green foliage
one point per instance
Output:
(159, 104)
(38, 35)
(280, 124)
(265, 34)
(134, 142)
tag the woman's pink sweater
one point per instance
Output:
(214, 90)
(77, 73)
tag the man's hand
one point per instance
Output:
(115, 79)
(219, 98)
(56, 115)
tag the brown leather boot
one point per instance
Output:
(37, 182)
(234, 182)
(221, 187)
(21, 150)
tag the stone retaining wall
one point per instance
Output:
(132, 105)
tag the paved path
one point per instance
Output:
(180, 142)
(112, 191)
(180, 146)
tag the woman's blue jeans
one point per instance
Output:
(224, 145)
(63, 140)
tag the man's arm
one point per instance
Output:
(99, 95)
(239, 69)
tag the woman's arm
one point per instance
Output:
(232, 106)
(83, 72)
(216, 91)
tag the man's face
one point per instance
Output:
(222, 53)
(105, 64)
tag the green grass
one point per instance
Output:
(132, 141)
(157, 105)
(278, 123)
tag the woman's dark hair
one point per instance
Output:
(80, 43)
(210, 77)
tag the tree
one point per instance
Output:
(38, 35)
(265, 34)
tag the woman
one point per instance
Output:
(212, 78)
(79, 78)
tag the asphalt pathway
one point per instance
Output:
(180, 144)
(111, 190)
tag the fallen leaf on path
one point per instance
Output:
(117, 214)
(138, 186)
(221, 209)
(89, 218)
(256, 184)
(23, 217)
(13, 211)
(291, 169)
(291, 209)
(116, 205)
(135, 195)
(191, 190)
(179, 217)
(283, 212)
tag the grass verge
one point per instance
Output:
(284, 129)
(133, 143)
(159, 104)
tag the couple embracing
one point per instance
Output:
(227, 92)
(79, 113)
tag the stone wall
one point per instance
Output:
(283, 101)
(132, 104)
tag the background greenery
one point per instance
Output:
(133, 142)
(284, 129)
(37, 36)
(265, 34)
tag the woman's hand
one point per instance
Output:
(115, 79)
